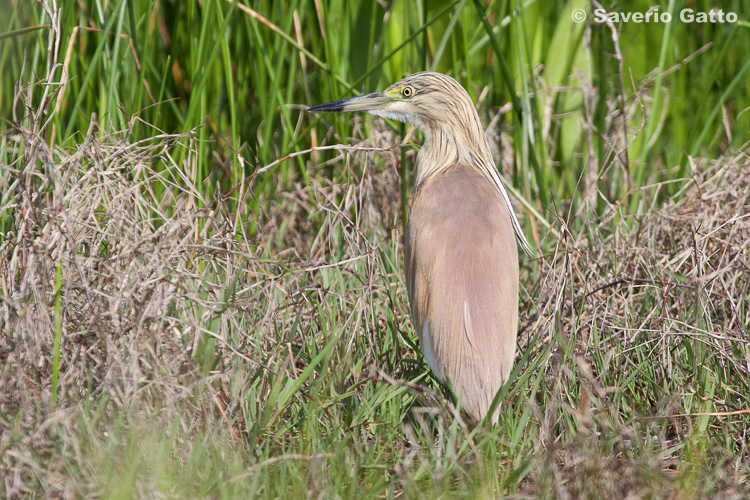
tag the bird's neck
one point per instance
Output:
(445, 145)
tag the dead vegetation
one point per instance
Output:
(170, 307)
(150, 270)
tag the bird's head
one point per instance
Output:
(426, 100)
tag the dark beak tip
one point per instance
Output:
(330, 107)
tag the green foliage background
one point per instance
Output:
(220, 68)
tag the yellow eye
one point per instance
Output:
(407, 92)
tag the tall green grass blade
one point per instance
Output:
(739, 77)
(651, 118)
(518, 105)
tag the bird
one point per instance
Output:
(461, 256)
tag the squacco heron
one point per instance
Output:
(461, 257)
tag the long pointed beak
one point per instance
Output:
(368, 102)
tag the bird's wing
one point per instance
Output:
(462, 277)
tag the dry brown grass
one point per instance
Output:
(689, 249)
(672, 288)
(147, 276)
(151, 272)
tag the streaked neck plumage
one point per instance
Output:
(446, 144)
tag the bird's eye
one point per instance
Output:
(407, 91)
